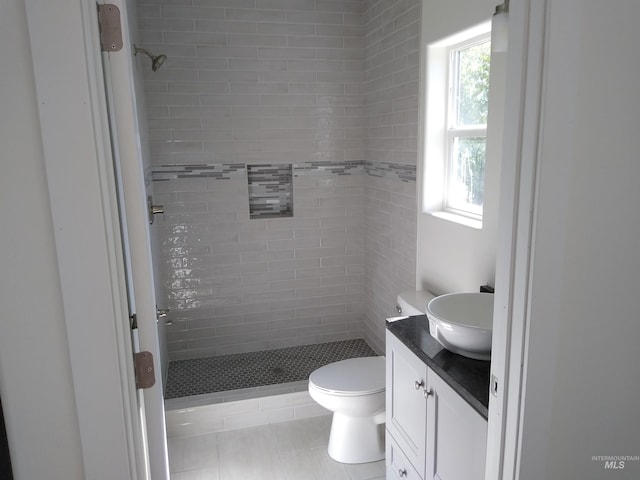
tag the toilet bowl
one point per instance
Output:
(354, 390)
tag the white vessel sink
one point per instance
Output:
(462, 323)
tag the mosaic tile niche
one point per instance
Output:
(270, 191)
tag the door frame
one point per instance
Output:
(120, 83)
(526, 62)
(75, 135)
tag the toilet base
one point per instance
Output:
(356, 439)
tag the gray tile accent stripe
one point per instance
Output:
(404, 173)
(339, 168)
(220, 171)
(226, 171)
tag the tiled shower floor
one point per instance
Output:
(199, 376)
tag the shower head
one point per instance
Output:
(156, 60)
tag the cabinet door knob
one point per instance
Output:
(428, 393)
(418, 384)
(402, 472)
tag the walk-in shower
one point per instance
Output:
(259, 295)
(282, 146)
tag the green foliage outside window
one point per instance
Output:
(473, 95)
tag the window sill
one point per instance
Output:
(459, 219)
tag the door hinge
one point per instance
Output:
(145, 374)
(134, 321)
(110, 28)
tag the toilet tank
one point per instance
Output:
(414, 302)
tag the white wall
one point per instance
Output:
(35, 376)
(582, 378)
(451, 256)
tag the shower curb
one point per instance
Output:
(238, 414)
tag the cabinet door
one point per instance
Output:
(406, 403)
(456, 435)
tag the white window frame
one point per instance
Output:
(437, 125)
(454, 130)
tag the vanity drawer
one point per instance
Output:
(398, 466)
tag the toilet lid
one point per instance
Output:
(355, 376)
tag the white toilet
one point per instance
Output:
(354, 390)
(414, 302)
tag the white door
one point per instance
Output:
(134, 221)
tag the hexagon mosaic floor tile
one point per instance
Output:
(254, 369)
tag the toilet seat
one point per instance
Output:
(352, 377)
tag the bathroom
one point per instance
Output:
(331, 89)
(298, 87)
(66, 274)
(322, 100)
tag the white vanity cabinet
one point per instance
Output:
(405, 401)
(432, 432)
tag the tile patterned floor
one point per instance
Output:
(281, 451)
(246, 370)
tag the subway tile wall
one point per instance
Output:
(257, 82)
(329, 87)
(254, 81)
(392, 49)
(236, 284)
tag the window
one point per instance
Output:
(457, 98)
(465, 151)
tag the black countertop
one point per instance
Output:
(469, 378)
